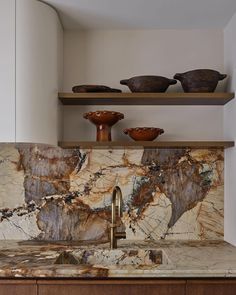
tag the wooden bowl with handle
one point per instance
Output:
(143, 133)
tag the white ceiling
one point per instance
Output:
(144, 14)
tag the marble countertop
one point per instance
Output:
(183, 259)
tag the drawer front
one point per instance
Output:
(117, 288)
(208, 287)
(18, 287)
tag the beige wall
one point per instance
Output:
(106, 57)
(230, 133)
(7, 71)
(179, 123)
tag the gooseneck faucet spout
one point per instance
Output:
(116, 213)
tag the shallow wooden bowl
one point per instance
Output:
(104, 117)
(143, 133)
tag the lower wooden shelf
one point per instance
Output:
(146, 144)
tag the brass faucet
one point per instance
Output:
(116, 211)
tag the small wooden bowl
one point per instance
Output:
(143, 133)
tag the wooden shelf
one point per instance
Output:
(147, 144)
(145, 98)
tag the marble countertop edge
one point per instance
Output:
(184, 259)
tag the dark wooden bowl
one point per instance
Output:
(143, 133)
(148, 83)
(201, 80)
(93, 88)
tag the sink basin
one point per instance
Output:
(66, 258)
(117, 257)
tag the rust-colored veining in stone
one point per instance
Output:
(66, 194)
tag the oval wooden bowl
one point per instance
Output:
(148, 83)
(143, 133)
(200, 81)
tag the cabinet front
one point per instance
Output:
(18, 287)
(119, 287)
(208, 287)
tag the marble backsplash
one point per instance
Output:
(47, 193)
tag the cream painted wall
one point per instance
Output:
(179, 123)
(106, 57)
(39, 43)
(230, 133)
(7, 70)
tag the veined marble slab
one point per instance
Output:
(182, 259)
(47, 193)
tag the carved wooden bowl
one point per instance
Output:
(103, 121)
(104, 117)
(143, 133)
(148, 83)
(202, 80)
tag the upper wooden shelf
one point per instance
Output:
(145, 98)
(147, 144)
